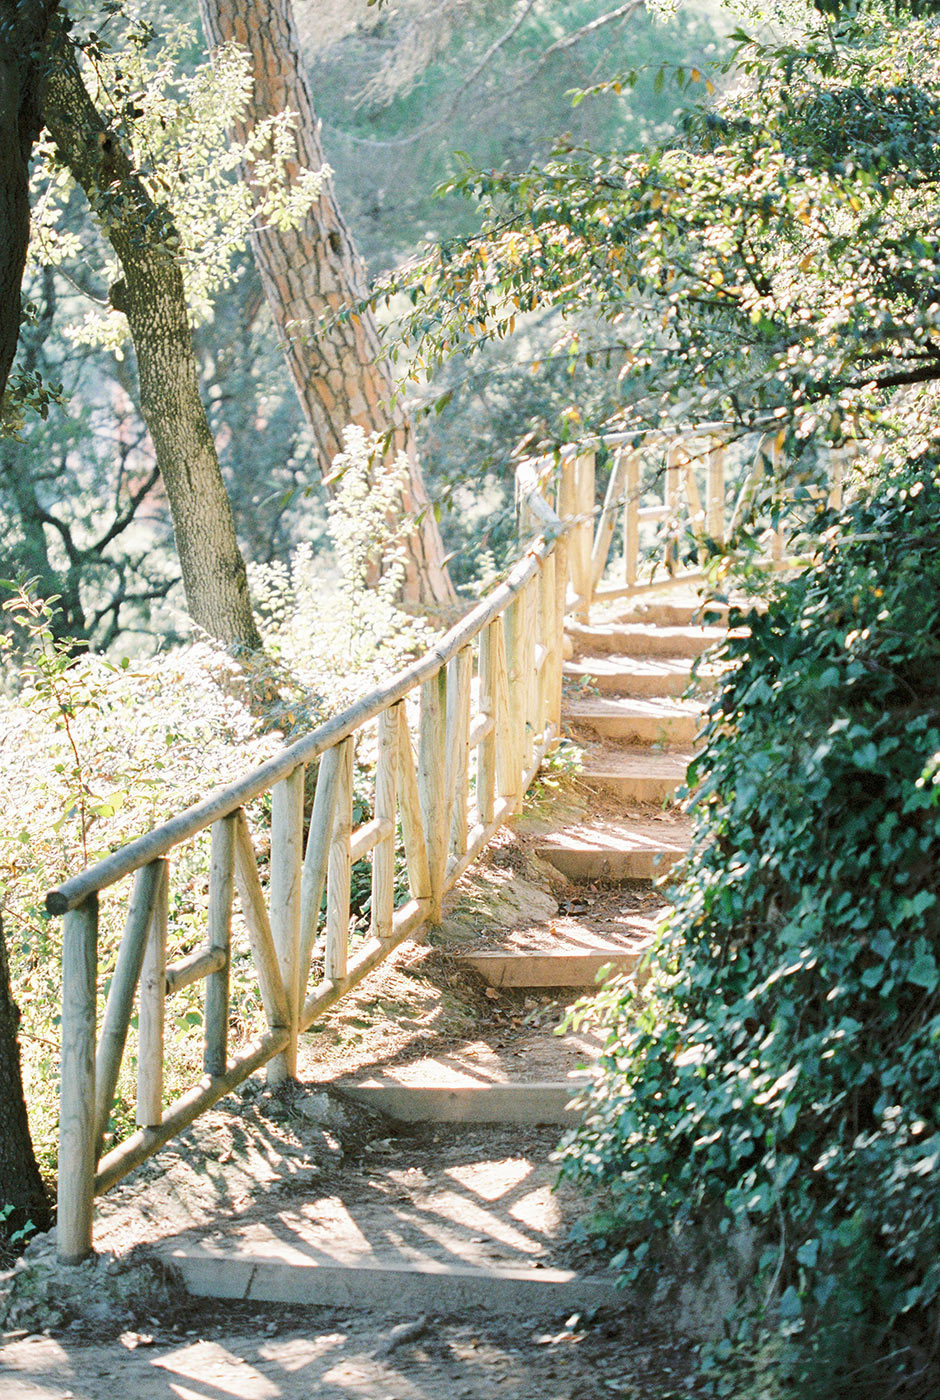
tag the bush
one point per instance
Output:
(781, 1070)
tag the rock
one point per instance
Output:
(101, 1293)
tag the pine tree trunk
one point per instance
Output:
(313, 270)
(20, 1183)
(152, 296)
(22, 35)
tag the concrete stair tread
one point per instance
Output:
(261, 1273)
(663, 707)
(638, 719)
(631, 848)
(561, 967)
(660, 676)
(643, 639)
(633, 832)
(434, 1218)
(634, 761)
(526, 1102)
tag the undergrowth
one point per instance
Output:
(778, 1078)
(93, 753)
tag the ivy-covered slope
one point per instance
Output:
(782, 1068)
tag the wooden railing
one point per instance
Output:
(460, 734)
(667, 488)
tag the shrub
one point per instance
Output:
(781, 1070)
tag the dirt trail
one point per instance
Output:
(218, 1353)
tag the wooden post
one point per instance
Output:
(607, 524)
(386, 803)
(560, 556)
(529, 613)
(409, 802)
(514, 631)
(287, 831)
(631, 521)
(674, 455)
(508, 766)
(120, 1004)
(487, 704)
(715, 494)
(315, 860)
(457, 747)
(582, 536)
(77, 1084)
(337, 880)
(221, 886)
(550, 638)
(152, 1002)
(432, 785)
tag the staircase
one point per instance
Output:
(454, 1208)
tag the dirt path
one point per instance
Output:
(320, 1354)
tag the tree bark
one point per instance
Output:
(152, 296)
(312, 271)
(20, 1183)
(23, 25)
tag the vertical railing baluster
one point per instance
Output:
(457, 746)
(120, 1003)
(432, 785)
(514, 632)
(715, 495)
(674, 456)
(551, 641)
(221, 888)
(386, 804)
(287, 820)
(77, 1083)
(487, 705)
(339, 868)
(151, 1008)
(560, 557)
(607, 523)
(313, 878)
(631, 521)
(409, 805)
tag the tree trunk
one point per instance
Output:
(22, 37)
(152, 296)
(314, 269)
(20, 1183)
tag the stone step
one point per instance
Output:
(278, 1272)
(641, 639)
(635, 774)
(571, 968)
(638, 720)
(692, 612)
(641, 676)
(483, 1102)
(632, 848)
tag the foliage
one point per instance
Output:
(772, 267)
(345, 632)
(177, 127)
(780, 1072)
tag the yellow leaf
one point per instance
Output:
(695, 76)
(806, 263)
(709, 87)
